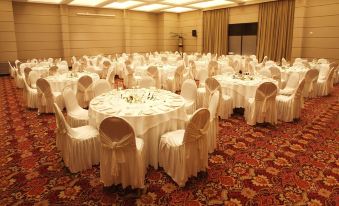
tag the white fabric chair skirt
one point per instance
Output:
(171, 150)
(288, 108)
(253, 112)
(82, 150)
(132, 168)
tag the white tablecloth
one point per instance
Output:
(59, 82)
(241, 89)
(286, 71)
(164, 70)
(154, 113)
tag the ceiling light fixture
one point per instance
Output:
(91, 14)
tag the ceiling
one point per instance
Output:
(176, 6)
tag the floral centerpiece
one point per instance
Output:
(137, 97)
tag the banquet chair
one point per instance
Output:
(122, 154)
(101, 86)
(84, 92)
(164, 60)
(184, 153)
(153, 72)
(79, 146)
(19, 78)
(265, 72)
(129, 78)
(146, 82)
(53, 71)
(202, 76)
(30, 96)
(46, 98)
(27, 70)
(214, 122)
(289, 107)
(291, 84)
(311, 78)
(11, 69)
(76, 116)
(175, 82)
(111, 77)
(33, 77)
(324, 86)
(276, 74)
(189, 93)
(262, 108)
(213, 68)
(192, 69)
(105, 67)
(225, 108)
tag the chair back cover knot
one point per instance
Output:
(85, 87)
(117, 135)
(44, 90)
(196, 130)
(211, 86)
(266, 92)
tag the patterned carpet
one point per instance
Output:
(290, 164)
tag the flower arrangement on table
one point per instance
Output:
(72, 74)
(242, 76)
(133, 97)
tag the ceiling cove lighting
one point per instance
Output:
(207, 4)
(179, 2)
(86, 2)
(178, 9)
(91, 14)
(123, 5)
(150, 7)
(45, 1)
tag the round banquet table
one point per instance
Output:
(241, 89)
(60, 81)
(164, 70)
(151, 113)
(286, 71)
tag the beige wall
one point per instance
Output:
(8, 47)
(191, 21)
(37, 30)
(316, 29)
(168, 26)
(244, 14)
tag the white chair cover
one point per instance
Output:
(262, 108)
(213, 68)
(214, 122)
(27, 70)
(30, 96)
(46, 98)
(76, 116)
(101, 86)
(324, 86)
(291, 84)
(122, 155)
(289, 107)
(53, 71)
(84, 92)
(311, 78)
(189, 92)
(146, 82)
(79, 146)
(276, 74)
(265, 72)
(183, 153)
(153, 72)
(33, 77)
(174, 83)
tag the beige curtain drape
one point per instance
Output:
(215, 31)
(275, 30)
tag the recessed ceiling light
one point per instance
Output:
(123, 5)
(179, 2)
(207, 4)
(150, 7)
(178, 9)
(45, 1)
(86, 2)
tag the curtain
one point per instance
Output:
(275, 30)
(215, 31)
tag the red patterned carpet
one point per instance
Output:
(290, 164)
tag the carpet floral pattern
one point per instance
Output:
(289, 164)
